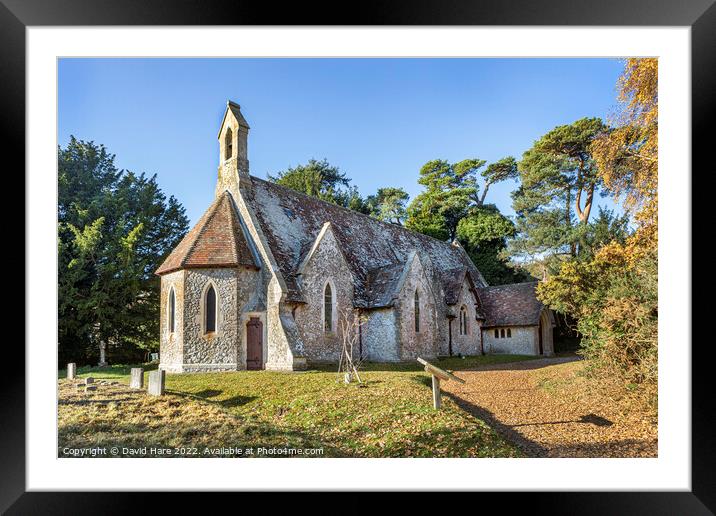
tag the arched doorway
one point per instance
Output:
(254, 344)
(546, 333)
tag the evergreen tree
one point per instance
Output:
(558, 181)
(114, 230)
(388, 205)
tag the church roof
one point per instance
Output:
(376, 251)
(510, 305)
(217, 240)
(381, 285)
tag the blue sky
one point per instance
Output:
(379, 120)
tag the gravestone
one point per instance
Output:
(89, 380)
(90, 388)
(71, 371)
(156, 382)
(137, 378)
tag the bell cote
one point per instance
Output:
(233, 153)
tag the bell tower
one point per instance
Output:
(233, 155)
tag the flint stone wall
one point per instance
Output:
(326, 265)
(469, 343)
(171, 345)
(422, 343)
(380, 336)
(217, 351)
(522, 342)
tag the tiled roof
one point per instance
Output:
(374, 250)
(381, 285)
(217, 240)
(510, 305)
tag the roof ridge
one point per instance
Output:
(210, 213)
(234, 221)
(343, 208)
(513, 284)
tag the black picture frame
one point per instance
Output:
(700, 15)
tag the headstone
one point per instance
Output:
(89, 380)
(136, 380)
(154, 357)
(156, 382)
(71, 371)
(90, 388)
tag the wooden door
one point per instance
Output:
(254, 344)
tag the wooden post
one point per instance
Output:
(436, 392)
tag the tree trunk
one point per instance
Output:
(484, 194)
(568, 220)
(584, 213)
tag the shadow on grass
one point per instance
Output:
(204, 396)
(427, 381)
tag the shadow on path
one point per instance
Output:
(529, 447)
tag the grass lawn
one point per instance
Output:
(391, 415)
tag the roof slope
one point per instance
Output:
(291, 221)
(217, 240)
(510, 305)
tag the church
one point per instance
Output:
(268, 277)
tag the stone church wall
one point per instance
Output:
(218, 351)
(171, 345)
(468, 344)
(522, 342)
(327, 265)
(421, 343)
(280, 331)
(379, 336)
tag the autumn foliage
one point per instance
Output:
(614, 296)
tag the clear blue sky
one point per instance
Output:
(379, 120)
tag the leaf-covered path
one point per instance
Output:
(547, 409)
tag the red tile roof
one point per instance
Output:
(217, 240)
(510, 305)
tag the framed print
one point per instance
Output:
(428, 248)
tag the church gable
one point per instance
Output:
(217, 240)
(327, 289)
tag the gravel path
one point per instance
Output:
(547, 410)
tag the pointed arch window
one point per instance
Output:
(210, 310)
(464, 329)
(172, 310)
(228, 144)
(417, 312)
(328, 308)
